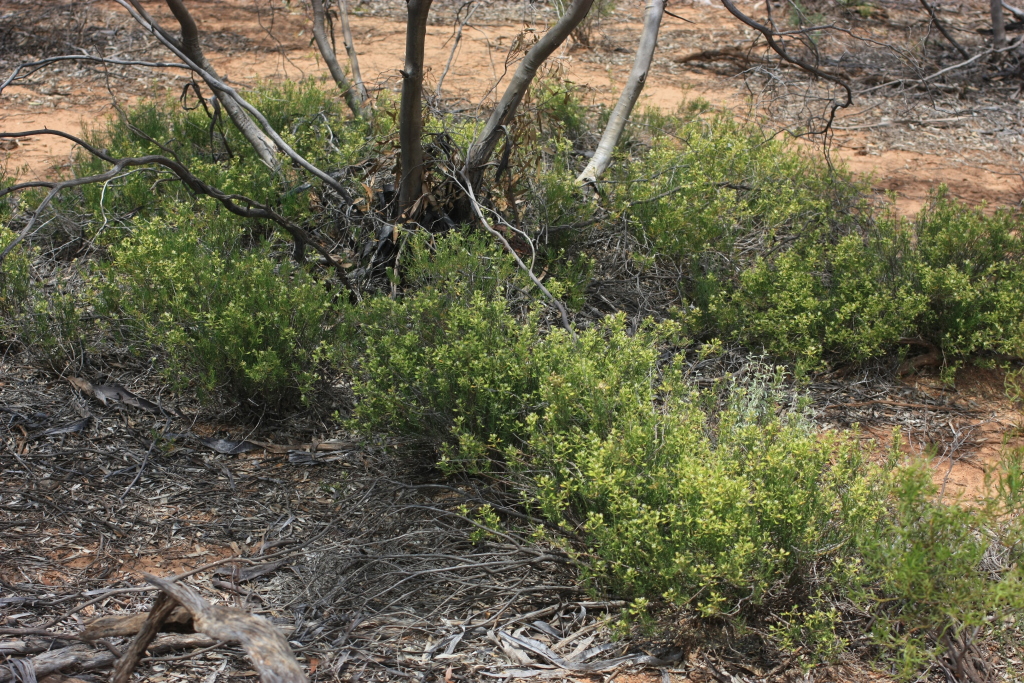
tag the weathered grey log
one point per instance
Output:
(10, 648)
(267, 649)
(162, 608)
(130, 624)
(81, 657)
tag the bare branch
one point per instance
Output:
(460, 25)
(770, 36)
(942, 29)
(350, 48)
(16, 75)
(220, 87)
(468, 189)
(327, 52)
(236, 204)
(630, 93)
(482, 149)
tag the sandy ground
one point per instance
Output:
(278, 47)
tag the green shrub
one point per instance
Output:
(779, 251)
(14, 279)
(850, 300)
(52, 327)
(229, 320)
(971, 269)
(707, 499)
(306, 116)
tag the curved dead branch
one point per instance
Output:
(17, 75)
(266, 647)
(468, 189)
(236, 204)
(770, 36)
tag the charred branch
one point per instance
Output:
(236, 204)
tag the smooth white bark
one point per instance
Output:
(602, 158)
(350, 94)
(350, 48)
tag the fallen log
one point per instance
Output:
(266, 647)
(162, 608)
(179, 621)
(81, 657)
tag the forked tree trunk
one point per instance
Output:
(998, 27)
(350, 93)
(410, 129)
(265, 148)
(350, 48)
(602, 158)
(482, 149)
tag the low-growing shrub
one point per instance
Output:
(970, 267)
(232, 321)
(718, 501)
(304, 114)
(779, 251)
(14, 278)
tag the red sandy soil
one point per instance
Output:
(971, 170)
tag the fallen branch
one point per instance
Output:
(162, 608)
(129, 624)
(942, 29)
(16, 75)
(267, 649)
(84, 658)
(948, 69)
